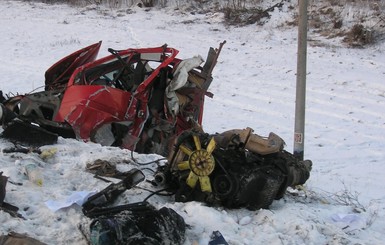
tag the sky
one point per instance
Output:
(343, 202)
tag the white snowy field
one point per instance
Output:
(254, 86)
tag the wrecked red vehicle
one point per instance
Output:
(138, 99)
(150, 101)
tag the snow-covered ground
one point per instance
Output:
(254, 85)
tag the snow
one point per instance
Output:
(254, 86)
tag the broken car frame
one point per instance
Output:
(138, 99)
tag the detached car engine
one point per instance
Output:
(233, 169)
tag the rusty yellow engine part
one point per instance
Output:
(252, 142)
(201, 163)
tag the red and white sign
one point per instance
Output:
(298, 138)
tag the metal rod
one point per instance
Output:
(299, 127)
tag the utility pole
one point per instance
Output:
(299, 127)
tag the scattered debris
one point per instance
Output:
(111, 192)
(102, 167)
(34, 174)
(21, 149)
(47, 153)
(105, 168)
(76, 197)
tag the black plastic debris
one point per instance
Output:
(216, 238)
(145, 225)
(111, 192)
(21, 149)
(22, 132)
(134, 223)
(6, 207)
(6, 115)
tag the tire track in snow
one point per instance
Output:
(348, 115)
(354, 98)
(133, 34)
(332, 106)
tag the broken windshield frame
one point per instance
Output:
(114, 73)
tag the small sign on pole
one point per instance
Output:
(298, 138)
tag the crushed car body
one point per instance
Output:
(137, 99)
